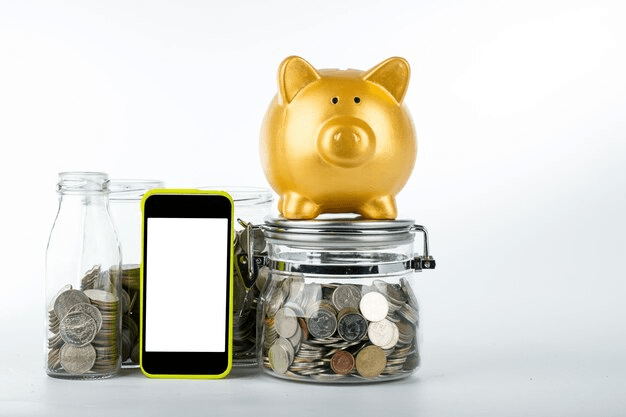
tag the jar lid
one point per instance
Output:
(339, 231)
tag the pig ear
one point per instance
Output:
(392, 75)
(293, 75)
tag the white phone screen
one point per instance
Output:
(186, 284)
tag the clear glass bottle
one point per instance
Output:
(338, 305)
(83, 309)
(125, 207)
(252, 205)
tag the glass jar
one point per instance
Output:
(338, 304)
(83, 309)
(125, 207)
(252, 205)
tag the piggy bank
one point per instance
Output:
(338, 141)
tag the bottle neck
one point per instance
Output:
(81, 183)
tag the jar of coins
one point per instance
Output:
(338, 305)
(125, 207)
(83, 260)
(252, 205)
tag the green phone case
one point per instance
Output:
(183, 191)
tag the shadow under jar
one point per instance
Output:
(337, 304)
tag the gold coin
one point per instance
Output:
(370, 361)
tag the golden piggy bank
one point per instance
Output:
(338, 141)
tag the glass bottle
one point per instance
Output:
(252, 205)
(83, 308)
(125, 207)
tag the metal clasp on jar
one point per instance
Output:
(255, 257)
(425, 261)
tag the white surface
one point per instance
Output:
(186, 288)
(520, 179)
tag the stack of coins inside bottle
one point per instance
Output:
(339, 330)
(130, 298)
(83, 329)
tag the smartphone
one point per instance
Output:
(186, 284)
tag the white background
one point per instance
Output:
(186, 285)
(520, 178)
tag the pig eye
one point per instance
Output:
(357, 100)
(334, 100)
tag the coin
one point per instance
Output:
(383, 333)
(346, 296)
(281, 355)
(54, 359)
(407, 332)
(374, 306)
(62, 290)
(296, 338)
(342, 362)
(125, 301)
(77, 360)
(304, 327)
(370, 361)
(322, 321)
(101, 297)
(90, 278)
(351, 326)
(312, 294)
(412, 299)
(286, 322)
(90, 310)
(409, 313)
(296, 287)
(78, 328)
(68, 299)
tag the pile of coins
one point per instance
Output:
(130, 277)
(83, 327)
(246, 291)
(339, 332)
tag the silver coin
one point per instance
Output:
(92, 311)
(374, 306)
(394, 338)
(407, 332)
(102, 297)
(280, 355)
(54, 359)
(322, 323)
(55, 341)
(394, 292)
(296, 339)
(345, 296)
(412, 299)
(286, 322)
(125, 301)
(90, 278)
(77, 360)
(297, 309)
(351, 326)
(68, 299)
(296, 289)
(62, 290)
(78, 328)
(275, 300)
(382, 333)
(409, 313)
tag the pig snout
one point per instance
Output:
(346, 142)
